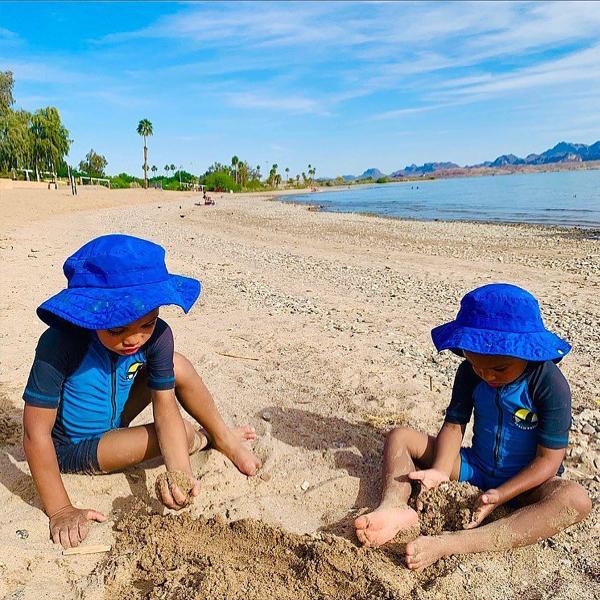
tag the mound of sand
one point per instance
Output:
(179, 557)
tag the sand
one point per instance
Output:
(175, 478)
(329, 315)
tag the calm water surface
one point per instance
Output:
(568, 198)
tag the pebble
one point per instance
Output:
(266, 415)
(588, 429)
(304, 485)
(22, 534)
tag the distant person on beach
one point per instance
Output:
(522, 415)
(105, 357)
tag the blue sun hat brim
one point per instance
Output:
(108, 308)
(500, 319)
(115, 280)
(537, 346)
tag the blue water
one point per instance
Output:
(568, 198)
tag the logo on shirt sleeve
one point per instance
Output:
(133, 369)
(525, 419)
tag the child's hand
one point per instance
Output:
(172, 497)
(70, 526)
(484, 506)
(429, 478)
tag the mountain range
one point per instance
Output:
(563, 152)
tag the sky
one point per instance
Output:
(343, 86)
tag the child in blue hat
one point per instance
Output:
(105, 357)
(522, 414)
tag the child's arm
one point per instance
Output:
(447, 447)
(68, 525)
(540, 469)
(172, 440)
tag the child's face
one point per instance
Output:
(130, 338)
(496, 370)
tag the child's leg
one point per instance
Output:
(124, 447)
(197, 401)
(554, 506)
(405, 450)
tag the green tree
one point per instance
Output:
(173, 168)
(94, 164)
(287, 174)
(154, 168)
(167, 169)
(50, 139)
(6, 91)
(16, 140)
(144, 129)
(234, 164)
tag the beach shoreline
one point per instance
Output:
(328, 318)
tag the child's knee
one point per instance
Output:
(401, 434)
(575, 497)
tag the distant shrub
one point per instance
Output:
(220, 181)
(382, 180)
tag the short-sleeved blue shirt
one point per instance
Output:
(74, 372)
(512, 420)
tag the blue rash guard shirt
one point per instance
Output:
(512, 420)
(88, 384)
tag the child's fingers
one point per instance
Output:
(64, 538)
(196, 488)
(178, 496)
(94, 515)
(420, 475)
(165, 496)
(74, 536)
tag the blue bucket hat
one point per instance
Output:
(115, 280)
(500, 319)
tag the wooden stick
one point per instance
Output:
(93, 549)
(236, 356)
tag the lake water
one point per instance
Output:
(567, 198)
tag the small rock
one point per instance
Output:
(588, 429)
(266, 415)
(265, 476)
(22, 534)
(304, 485)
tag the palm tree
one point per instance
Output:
(144, 129)
(154, 168)
(234, 163)
(173, 168)
(258, 171)
(167, 168)
(287, 174)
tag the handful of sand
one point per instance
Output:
(449, 507)
(176, 478)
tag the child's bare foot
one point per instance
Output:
(238, 453)
(380, 526)
(426, 550)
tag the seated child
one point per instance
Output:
(106, 356)
(522, 415)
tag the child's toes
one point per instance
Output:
(361, 522)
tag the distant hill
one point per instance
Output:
(371, 174)
(566, 153)
(414, 170)
(563, 152)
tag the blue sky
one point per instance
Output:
(343, 86)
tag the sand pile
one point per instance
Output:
(448, 507)
(179, 557)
